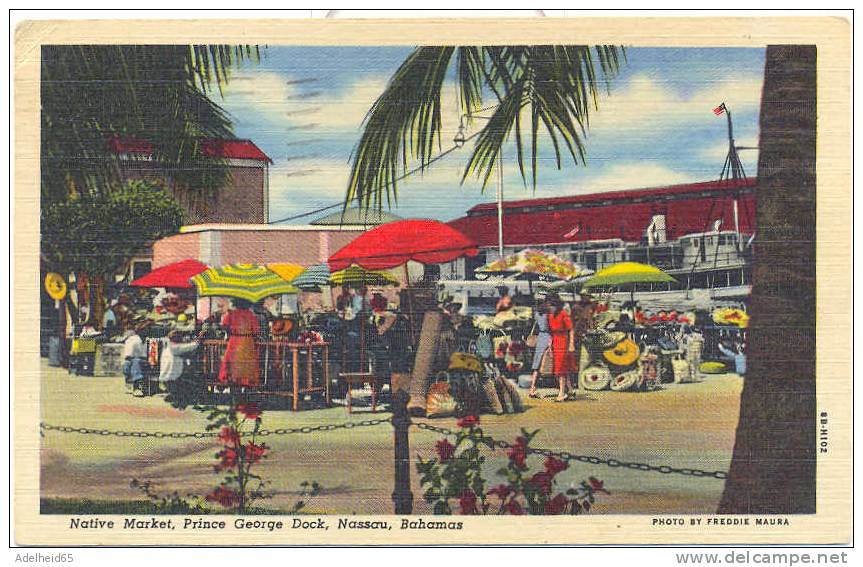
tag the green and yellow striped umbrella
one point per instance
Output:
(355, 275)
(244, 281)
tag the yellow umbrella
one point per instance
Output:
(286, 271)
(245, 281)
(627, 273)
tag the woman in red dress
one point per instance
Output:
(240, 364)
(562, 345)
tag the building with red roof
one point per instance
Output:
(623, 215)
(243, 200)
(697, 231)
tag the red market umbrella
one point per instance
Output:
(395, 243)
(174, 275)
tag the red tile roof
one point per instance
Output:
(619, 214)
(231, 149)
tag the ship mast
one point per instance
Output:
(732, 169)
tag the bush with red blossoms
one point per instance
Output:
(453, 480)
(238, 425)
(453, 477)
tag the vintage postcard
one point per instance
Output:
(525, 281)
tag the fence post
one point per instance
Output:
(402, 496)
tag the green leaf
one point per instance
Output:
(557, 84)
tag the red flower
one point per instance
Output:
(542, 481)
(250, 410)
(468, 421)
(554, 465)
(467, 501)
(514, 508)
(556, 505)
(445, 450)
(228, 458)
(255, 453)
(229, 436)
(224, 496)
(501, 490)
(595, 483)
(518, 453)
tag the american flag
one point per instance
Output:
(719, 109)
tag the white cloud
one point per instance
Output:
(347, 110)
(631, 176)
(328, 178)
(265, 93)
(719, 151)
(277, 100)
(644, 103)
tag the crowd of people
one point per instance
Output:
(367, 332)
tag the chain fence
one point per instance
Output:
(207, 434)
(567, 456)
(563, 455)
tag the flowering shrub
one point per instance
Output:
(238, 425)
(454, 478)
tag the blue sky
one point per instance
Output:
(304, 107)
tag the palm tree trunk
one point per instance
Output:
(773, 465)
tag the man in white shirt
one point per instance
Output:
(134, 357)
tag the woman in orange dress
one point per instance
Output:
(562, 345)
(240, 364)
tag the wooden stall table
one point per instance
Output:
(281, 372)
(361, 378)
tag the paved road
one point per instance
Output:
(685, 425)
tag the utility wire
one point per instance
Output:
(403, 176)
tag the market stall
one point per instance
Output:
(631, 350)
(393, 245)
(291, 369)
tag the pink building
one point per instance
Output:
(220, 244)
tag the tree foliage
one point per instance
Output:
(158, 94)
(98, 234)
(554, 87)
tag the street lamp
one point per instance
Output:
(459, 141)
(459, 138)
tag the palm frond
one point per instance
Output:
(557, 86)
(403, 123)
(93, 93)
